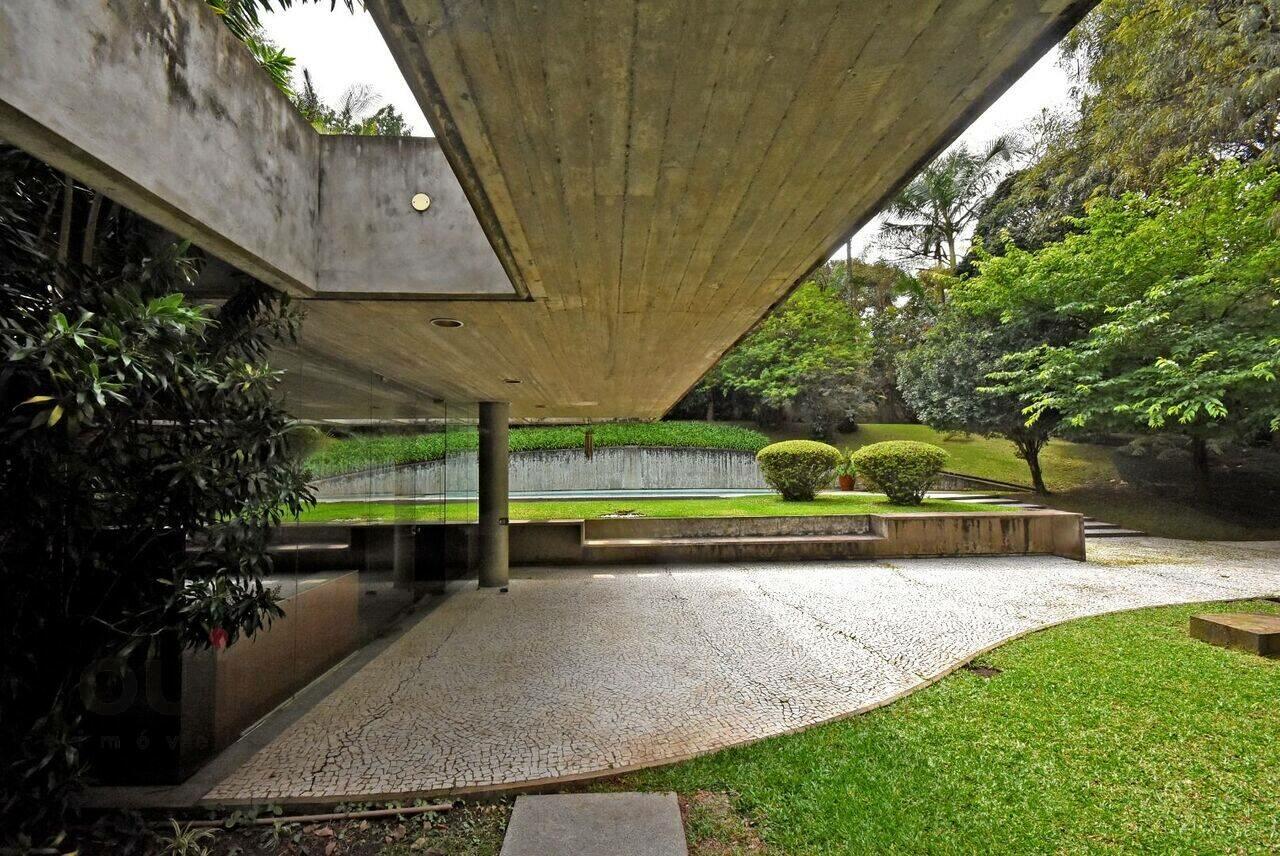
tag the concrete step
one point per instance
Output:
(306, 548)
(726, 540)
(626, 824)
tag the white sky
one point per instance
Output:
(341, 49)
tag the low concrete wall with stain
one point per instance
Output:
(610, 468)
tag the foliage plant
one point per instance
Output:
(944, 380)
(810, 354)
(798, 469)
(928, 217)
(902, 470)
(1176, 299)
(1160, 83)
(363, 451)
(133, 421)
(846, 467)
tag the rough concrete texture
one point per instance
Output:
(374, 242)
(595, 825)
(610, 468)
(155, 103)
(158, 105)
(1252, 633)
(585, 672)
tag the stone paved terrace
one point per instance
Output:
(580, 672)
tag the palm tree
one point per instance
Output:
(929, 216)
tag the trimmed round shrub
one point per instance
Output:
(797, 469)
(902, 470)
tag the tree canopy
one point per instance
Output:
(1174, 299)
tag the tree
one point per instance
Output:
(1173, 297)
(809, 353)
(353, 114)
(1159, 83)
(929, 217)
(942, 379)
(130, 416)
(1148, 107)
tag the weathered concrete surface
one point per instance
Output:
(610, 468)
(373, 243)
(591, 671)
(155, 103)
(495, 419)
(658, 175)
(1252, 633)
(633, 824)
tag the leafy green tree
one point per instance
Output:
(942, 379)
(1159, 83)
(132, 419)
(928, 218)
(1169, 81)
(354, 113)
(809, 353)
(1174, 299)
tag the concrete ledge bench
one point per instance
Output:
(1253, 633)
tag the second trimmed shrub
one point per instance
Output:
(902, 470)
(798, 469)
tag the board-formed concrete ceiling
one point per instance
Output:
(657, 175)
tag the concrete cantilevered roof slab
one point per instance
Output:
(634, 182)
(659, 174)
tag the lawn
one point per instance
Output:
(764, 505)
(1066, 465)
(1117, 733)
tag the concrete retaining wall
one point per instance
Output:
(612, 468)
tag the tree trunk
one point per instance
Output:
(1029, 449)
(1200, 463)
(1037, 476)
(711, 407)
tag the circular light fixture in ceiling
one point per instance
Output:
(420, 202)
(446, 323)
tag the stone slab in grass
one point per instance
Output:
(1253, 633)
(595, 825)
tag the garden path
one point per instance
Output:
(581, 672)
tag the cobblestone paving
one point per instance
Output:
(582, 671)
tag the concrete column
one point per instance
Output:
(494, 416)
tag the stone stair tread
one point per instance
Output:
(297, 548)
(1112, 533)
(717, 540)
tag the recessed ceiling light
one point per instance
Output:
(447, 323)
(510, 380)
(420, 202)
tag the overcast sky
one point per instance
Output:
(341, 49)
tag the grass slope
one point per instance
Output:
(746, 506)
(1117, 734)
(363, 451)
(1066, 465)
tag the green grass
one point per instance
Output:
(1115, 734)
(571, 509)
(363, 451)
(1066, 465)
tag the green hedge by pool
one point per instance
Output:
(362, 452)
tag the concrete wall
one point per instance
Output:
(611, 468)
(375, 243)
(156, 104)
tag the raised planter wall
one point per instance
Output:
(611, 468)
